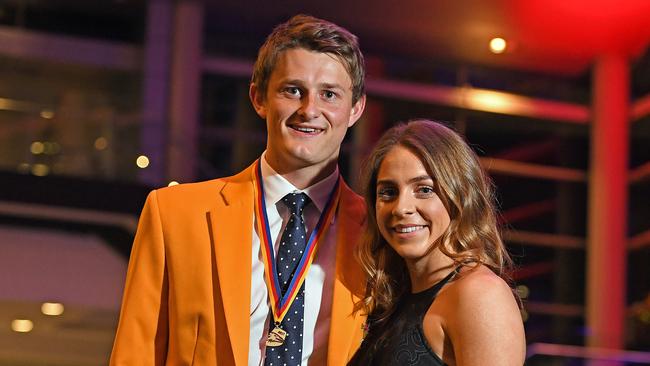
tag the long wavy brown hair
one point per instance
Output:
(472, 237)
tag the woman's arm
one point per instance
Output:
(483, 321)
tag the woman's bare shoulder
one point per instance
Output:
(482, 319)
(479, 280)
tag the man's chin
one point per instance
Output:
(304, 160)
(306, 154)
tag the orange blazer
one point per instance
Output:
(187, 293)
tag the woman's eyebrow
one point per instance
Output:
(412, 180)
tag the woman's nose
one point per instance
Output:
(404, 205)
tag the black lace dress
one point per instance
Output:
(400, 340)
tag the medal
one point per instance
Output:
(276, 337)
(280, 302)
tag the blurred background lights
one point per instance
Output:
(40, 170)
(101, 143)
(524, 315)
(172, 183)
(523, 291)
(52, 308)
(37, 147)
(22, 325)
(489, 101)
(498, 45)
(142, 161)
(644, 317)
(51, 148)
(47, 114)
(23, 168)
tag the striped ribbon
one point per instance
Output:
(280, 304)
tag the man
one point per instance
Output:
(212, 278)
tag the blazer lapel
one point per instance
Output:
(232, 224)
(349, 284)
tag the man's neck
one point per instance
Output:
(303, 177)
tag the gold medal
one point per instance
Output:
(280, 301)
(276, 337)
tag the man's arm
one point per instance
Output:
(142, 332)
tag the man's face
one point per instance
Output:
(308, 109)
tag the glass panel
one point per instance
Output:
(68, 120)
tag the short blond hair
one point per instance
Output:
(312, 34)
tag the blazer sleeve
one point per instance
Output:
(142, 331)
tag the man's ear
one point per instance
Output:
(357, 110)
(258, 100)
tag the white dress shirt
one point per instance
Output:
(320, 277)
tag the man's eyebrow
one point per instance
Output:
(292, 81)
(331, 86)
(301, 83)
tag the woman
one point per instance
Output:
(432, 235)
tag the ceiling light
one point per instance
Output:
(22, 325)
(37, 147)
(142, 161)
(101, 143)
(47, 114)
(40, 170)
(52, 308)
(498, 45)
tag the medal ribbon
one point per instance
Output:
(280, 304)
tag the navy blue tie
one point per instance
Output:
(292, 246)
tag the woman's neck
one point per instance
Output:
(427, 271)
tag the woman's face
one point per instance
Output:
(410, 215)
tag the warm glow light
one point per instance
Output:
(5, 103)
(498, 45)
(101, 143)
(523, 291)
(645, 317)
(22, 325)
(524, 315)
(40, 170)
(47, 114)
(23, 168)
(37, 147)
(489, 101)
(52, 308)
(142, 161)
(52, 148)
(172, 183)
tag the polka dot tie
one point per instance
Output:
(292, 245)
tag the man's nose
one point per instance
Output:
(309, 108)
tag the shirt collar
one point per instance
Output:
(276, 186)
